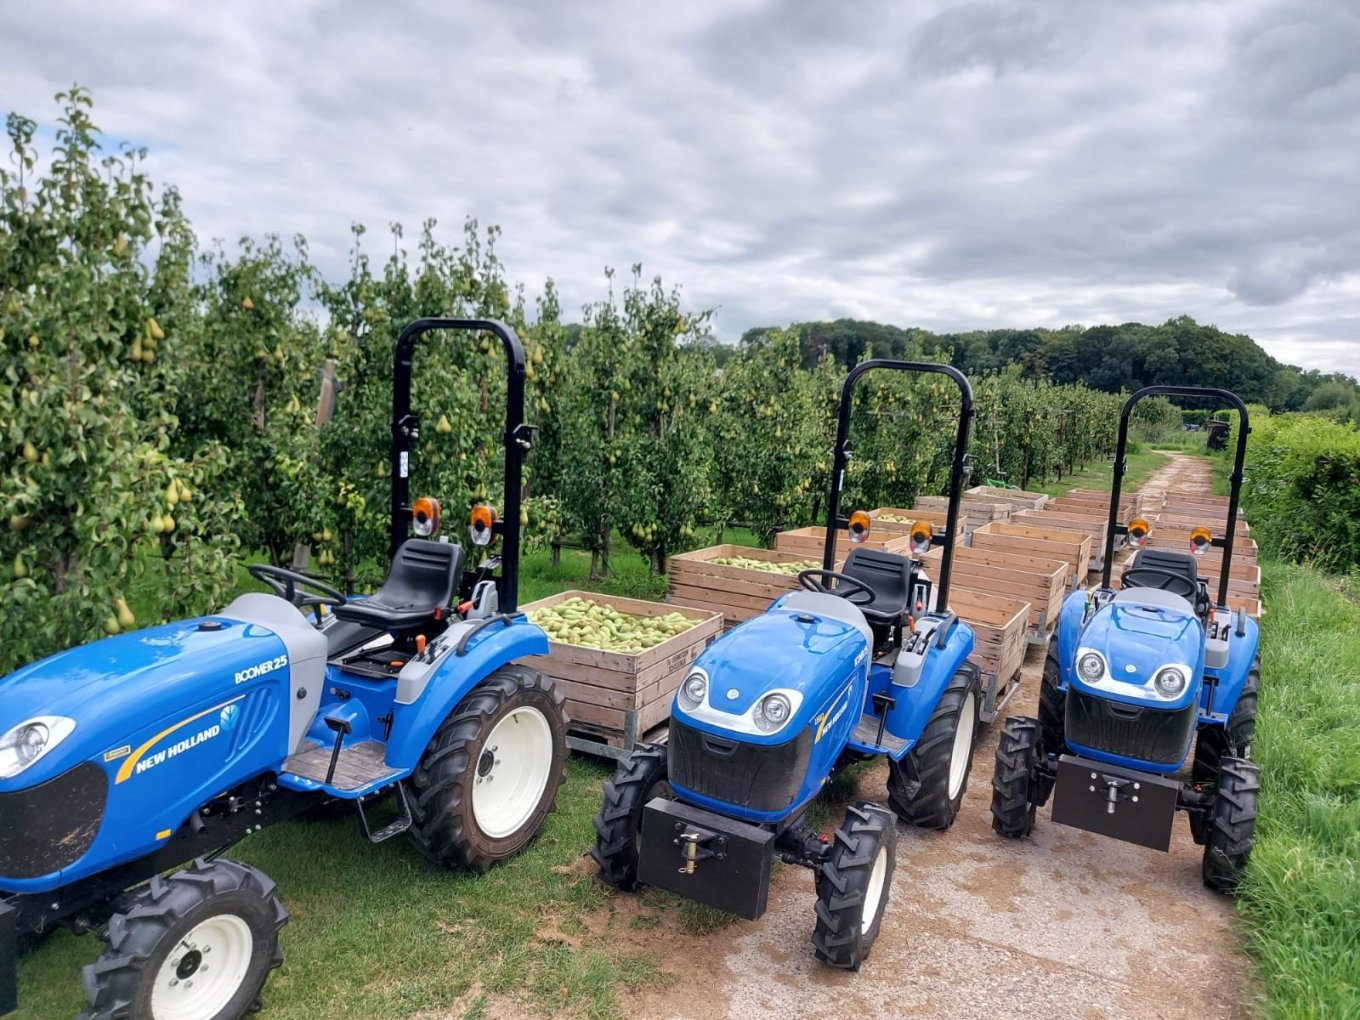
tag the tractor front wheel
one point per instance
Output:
(640, 776)
(1232, 824)
(926, 787)
(853, 885)
(1052, 703)
(195, 946)
(1014, 783)
(489, 777)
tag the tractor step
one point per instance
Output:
(357, 766)
(866, 732)
(394, 828)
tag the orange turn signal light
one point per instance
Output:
(1199, 541)
(481, 523)
(859, 526)
(921, 535)
(425, 516)
(1138, 532)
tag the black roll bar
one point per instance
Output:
(406, 430)
(1235, 480)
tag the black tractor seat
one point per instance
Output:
(423, 581)
(1168, 571)
(888, 576)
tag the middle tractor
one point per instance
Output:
(854, 666)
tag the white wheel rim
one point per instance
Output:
(963, 743)
(512, 772)
(204, 970)
(873, 893)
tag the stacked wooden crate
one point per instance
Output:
(896, 520)
(1131, 504)
(739, 593)
(1024, 537)
(1088, 522)
(614, 698)
(1017, 498)
(808, 543)
(1039, 581)
(976, 510)
(1000, 624)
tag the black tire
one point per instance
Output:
(444, 826)
(162, 917)
(1231, 824)
(1014, 782)
(640, 776)
(1234, 738)
(843, 936)
(1052, 704)
(918, 785)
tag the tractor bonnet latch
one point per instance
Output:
(697, 845)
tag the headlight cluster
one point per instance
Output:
(1091, 666)
(1170, 681)
(694, 690)
(29, 741)
(772, 712)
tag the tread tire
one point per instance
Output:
(918, 785)
(1052, 704)
(1231, 824)
(1014, 803)
(443, 827)
(119, 984)
(840, 938)
(618, 826)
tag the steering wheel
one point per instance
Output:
(290, 585)
(1165, 580)
(847, 587)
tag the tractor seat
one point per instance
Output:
(888, 576)
(423, 580)
(1158, 568)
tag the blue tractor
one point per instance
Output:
(854, 666)
(124, 759)
(1135, 678)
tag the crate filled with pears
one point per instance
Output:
(735, 580)
(618, 661)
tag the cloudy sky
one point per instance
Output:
(944, 164)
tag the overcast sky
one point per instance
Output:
(943, 164)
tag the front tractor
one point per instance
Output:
(854, 666)
(123, 760)
(1135, 678)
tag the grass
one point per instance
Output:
(1142, 462)
(1302, 895)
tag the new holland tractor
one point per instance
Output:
(1135, 678)
(135, 755)
(854, 666)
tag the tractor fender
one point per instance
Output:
(1070, 620)
(1232, 677)
(450, 680)
(914, 705)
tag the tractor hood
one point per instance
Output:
(131, 678)
(1136, 641)
(807, 656)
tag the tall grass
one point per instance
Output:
(1302, 895)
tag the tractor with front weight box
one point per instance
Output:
(123, 760)
(855, 666)
(1136, 677)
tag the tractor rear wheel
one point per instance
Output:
(195, 946)
(1233, 738)
(489, 777)
(1014, 783)
(640, 776)
(926, 787)
(853, 885)
(1052, 703)
(1231, 824)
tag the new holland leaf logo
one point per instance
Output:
(140, 761)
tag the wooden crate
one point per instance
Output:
(1040, 582)
(973, 509)
(1197, 501)
(739, 593)
(1018, 498)
(1244, 550)
(1015, 536)
(1000, 624)
(937, 519)
(1187, 520)
(808, 543)
(1092, 525)
(613, 698)
(1130, 502)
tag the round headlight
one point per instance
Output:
(30, 741)
(1091, 666)
(696, 686)
(772, 712)
(1170, 681)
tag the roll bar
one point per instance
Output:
(1235, 479)
(518, 440)
(834, 520)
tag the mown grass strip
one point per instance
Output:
(1302, 895)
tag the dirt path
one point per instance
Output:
(1061, 924)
